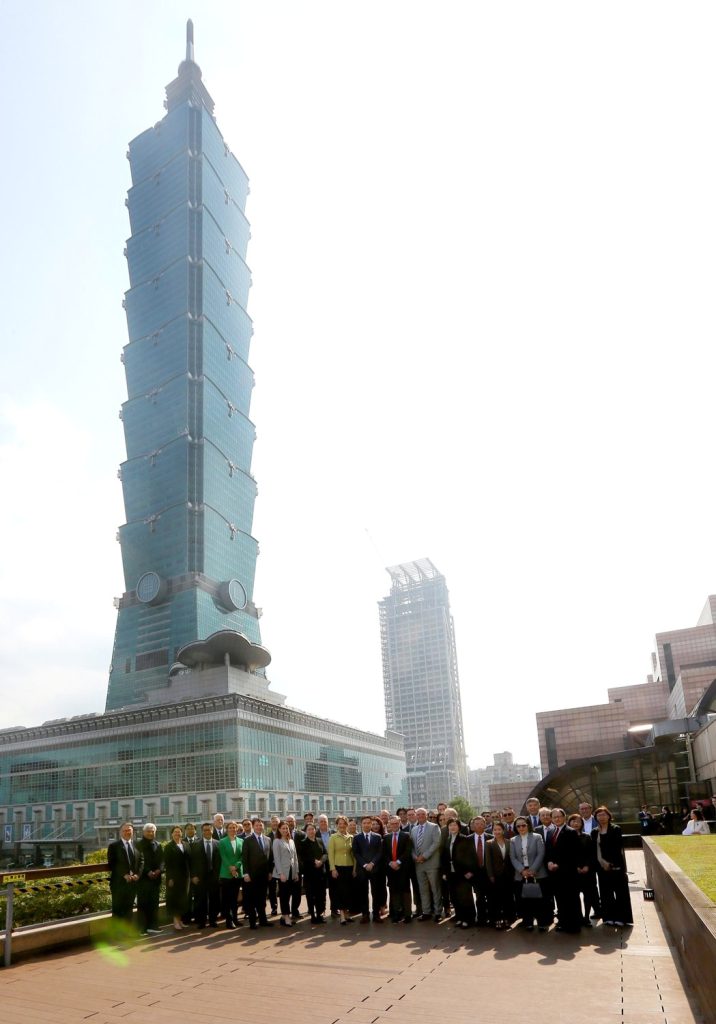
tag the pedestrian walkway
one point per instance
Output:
(364, 974)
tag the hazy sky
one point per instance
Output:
(483, 262)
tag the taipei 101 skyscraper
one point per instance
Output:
(188, 553)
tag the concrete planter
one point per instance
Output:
(690, 917)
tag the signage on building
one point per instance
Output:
(8, 833)
(27, 832)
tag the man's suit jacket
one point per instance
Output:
(367, 848)
(229, 858)
(564, 850)
(257, 857)
(401, 876)
(121, 865)
(468, 854)
(215, 834)
(199, 865)
(319, 837)
(152, 859)
(430, 846)
(543, 830)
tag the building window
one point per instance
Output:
(551, 744)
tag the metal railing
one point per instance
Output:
(12, 881)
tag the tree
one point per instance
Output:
(464, 809)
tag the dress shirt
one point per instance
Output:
(480, 848)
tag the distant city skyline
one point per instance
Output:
(482, 272)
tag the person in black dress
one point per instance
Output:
(176, 865)
(313, 857)
(586, 870)
(611, 871)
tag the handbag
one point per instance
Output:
(531, 891)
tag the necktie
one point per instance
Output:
(555, 836)
(395, 846)
(480, 855)
(420, 837)
(130, 858)
(207, 846)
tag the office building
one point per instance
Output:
(188, 552)
(651, 742)
(191, 725)
(420, 681)
(501, 784)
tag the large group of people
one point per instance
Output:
(498, 870)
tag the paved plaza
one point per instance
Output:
(363, 974)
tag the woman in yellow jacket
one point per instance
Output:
(341, 863)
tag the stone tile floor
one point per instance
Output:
(365, 974)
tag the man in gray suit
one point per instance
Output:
(425, 838)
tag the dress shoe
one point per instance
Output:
(230, 924)
(437, 918)
(424, 917)
(320, 919)
(267, 924)
(254, 927)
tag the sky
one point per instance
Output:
(483, 264)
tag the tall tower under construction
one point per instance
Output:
(420, 681)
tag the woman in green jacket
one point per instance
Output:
(230, 875)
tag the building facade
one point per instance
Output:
(420, 681)
(70, 783)
(650, 743)
(188, 553)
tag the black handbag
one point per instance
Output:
(531, 891)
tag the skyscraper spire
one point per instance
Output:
(188, 84)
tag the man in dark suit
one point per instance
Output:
(473, 862)
(324, 833)
(257, 861)
(398, 856)
(562, 858)
(368, 853)
(150, 880)
(204, 867)
(125, 869)
(532, 812)
(545, 823)
(508, 821)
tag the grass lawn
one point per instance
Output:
(696, 856)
